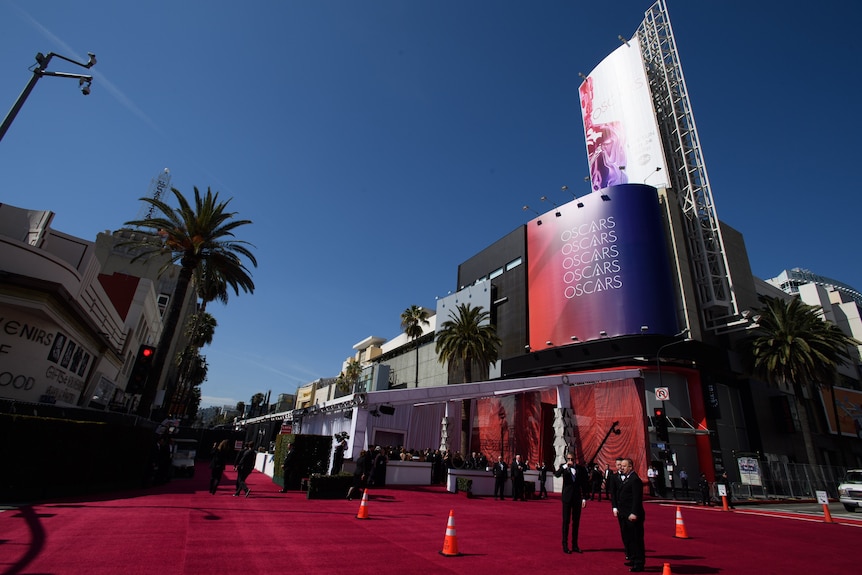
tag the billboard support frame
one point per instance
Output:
(687, 167)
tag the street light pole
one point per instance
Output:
(658, 353)
(42, 62)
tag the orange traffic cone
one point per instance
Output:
(666, 570)
(827, 515)
(363, 507)
(680, 529)
(450, 543)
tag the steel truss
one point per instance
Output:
(687, 167)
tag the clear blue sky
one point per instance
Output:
(378, 144)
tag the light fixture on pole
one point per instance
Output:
(39, 70)
(545, 199)
(657, 170)
(528, 208)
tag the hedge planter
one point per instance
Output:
(464, 486)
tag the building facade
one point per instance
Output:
(75, 314)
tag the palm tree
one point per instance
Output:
(412, 320)
(795, 348)
(256, 401)
(191, 364)
(201, 329)
(201, 240)
(347, 379)
(193, 372)
(210, 285)
(466, 340)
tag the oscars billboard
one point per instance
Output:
(599, 264)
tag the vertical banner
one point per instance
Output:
(623, 142)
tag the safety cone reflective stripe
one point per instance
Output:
(450, 543)
(680, 527)
(363, 507)
(666, 570)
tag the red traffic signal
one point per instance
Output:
(141, 369)
(658, 412)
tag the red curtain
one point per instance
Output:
(514, 424)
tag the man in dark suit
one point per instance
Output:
(500, 474)
(576, 485)
(613, 489)
(518, 469)
(629, 504)
(244, 465)
(543, 477)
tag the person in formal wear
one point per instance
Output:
(518, 469)
(607, 476)
(595, 481)
(574, 492)
(543, 477)
(725, 480)
(703, 487)
(244, 465)
(360, 474)
(378, 468)
(500, 475)
(483, 462)
(287, 466)
(630, 508)
(613, 490)
(338, 454)
(218, 461)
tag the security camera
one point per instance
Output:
(85, 86)
(92, 60)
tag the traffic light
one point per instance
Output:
(141, 369)
(660, 424)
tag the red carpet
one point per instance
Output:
(179, 528)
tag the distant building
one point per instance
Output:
(790, 281)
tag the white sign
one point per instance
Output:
(662, 393)
(822, 498)
(749, 471)
(722, 490)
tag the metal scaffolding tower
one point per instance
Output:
(687, 168)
